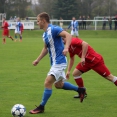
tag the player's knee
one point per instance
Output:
(76, 72)
(47, 84)
(58, 85)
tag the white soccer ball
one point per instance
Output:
(18, 110)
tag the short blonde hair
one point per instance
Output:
(45, 16)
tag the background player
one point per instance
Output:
(90, 59)
(57, 51)
(74, 27)
(18, 29)
(5, 33)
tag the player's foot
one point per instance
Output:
(39, 109)
(77, 96)
(81, 92)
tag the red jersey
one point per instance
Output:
(76, 49)
(5, 25)
(5, 28)
(22, 27)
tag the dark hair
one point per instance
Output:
(45, 16)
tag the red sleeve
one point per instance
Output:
(75, 43)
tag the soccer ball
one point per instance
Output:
(18, 110)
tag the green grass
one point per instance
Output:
(21, 82)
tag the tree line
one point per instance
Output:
(59, 8)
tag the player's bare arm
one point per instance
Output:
(42, 54)
(70, 65)
(67, 39)
(84, 52)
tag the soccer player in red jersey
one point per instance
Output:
(90, 59)
(22, 28)
(5, 33)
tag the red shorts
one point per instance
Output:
(5, 33)
(99, 67)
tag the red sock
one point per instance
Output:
(79, 82)
(115, 82)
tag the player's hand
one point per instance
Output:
(35, 62)
(65, 51)
(82, 61)
(67, 74)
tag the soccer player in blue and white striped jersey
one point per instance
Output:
(53, 44)
(74, 27)
(18, 29)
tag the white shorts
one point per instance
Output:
(58, 71)
(17, 32)
(74, 32)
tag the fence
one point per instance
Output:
(90, 24)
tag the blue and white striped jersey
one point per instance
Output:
(73, 25)
(54, 44)
(18, 26)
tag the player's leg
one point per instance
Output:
(16, 33)
(78, 71)
(101, 69)
(4, 35)
(46, 94)
(10, 36)
(15, 37)
(62, 77)
(76, 33)
(68, 86)
(20, 36)
(72, 33)
(3, 39)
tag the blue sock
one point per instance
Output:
(46, 95)
(69, 86)
(15, 36)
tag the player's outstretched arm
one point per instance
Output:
(70, 65)
(42, 54)
(84, 52)
(67, 39)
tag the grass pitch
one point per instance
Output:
(21, 82)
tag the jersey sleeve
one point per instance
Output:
(57, 30)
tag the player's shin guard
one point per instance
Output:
(115, 80)
(79, 81)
